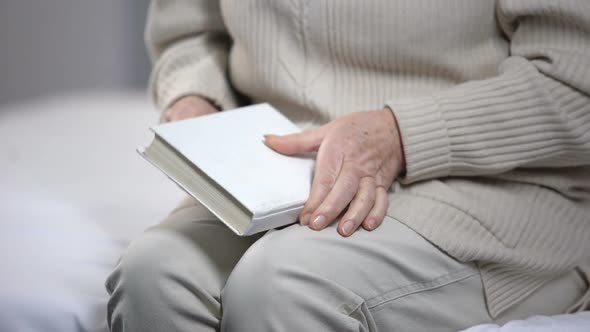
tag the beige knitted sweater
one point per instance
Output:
(491, 97)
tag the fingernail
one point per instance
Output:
(305, 219)
(318, 222)
(372, 223)
(348, 226)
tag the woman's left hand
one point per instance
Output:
(358, 157)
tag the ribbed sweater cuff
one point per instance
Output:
(181, 73)
(520, 117)
(425, 138)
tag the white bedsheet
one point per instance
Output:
(73, 193)
(579, 322)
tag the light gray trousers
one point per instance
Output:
(191, 273)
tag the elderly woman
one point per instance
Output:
(452, 182)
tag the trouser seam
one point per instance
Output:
(419, 287)
(359, 307)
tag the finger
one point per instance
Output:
(359, 208)
(178, 114)
(164, 117)
(377, 214)
(306, 141)
(338, 198)
(327, 168)
(186, 108)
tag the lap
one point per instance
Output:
(383, 278)
(388, 258)
(369, 271)
(378, 266)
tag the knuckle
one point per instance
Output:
(350, 177)
(351, 213)
(360, 200)
(326, 182)
(313, 202)
(309, 207)
(329, 209)
(355, 216)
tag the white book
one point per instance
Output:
(221, 160)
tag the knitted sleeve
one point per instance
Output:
(534, 114)
(188, 45)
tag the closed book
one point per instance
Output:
(221, 160)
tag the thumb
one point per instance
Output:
(298, 143)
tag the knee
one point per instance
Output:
(141, 266)
(177, 267)
(276, 275)
(144, 277)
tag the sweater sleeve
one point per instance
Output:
(188, 45)
(534, 114)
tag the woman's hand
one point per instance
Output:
(187, 107)
(359, 156)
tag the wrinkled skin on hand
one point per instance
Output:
(358, 158)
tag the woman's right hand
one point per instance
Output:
(187, 107)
